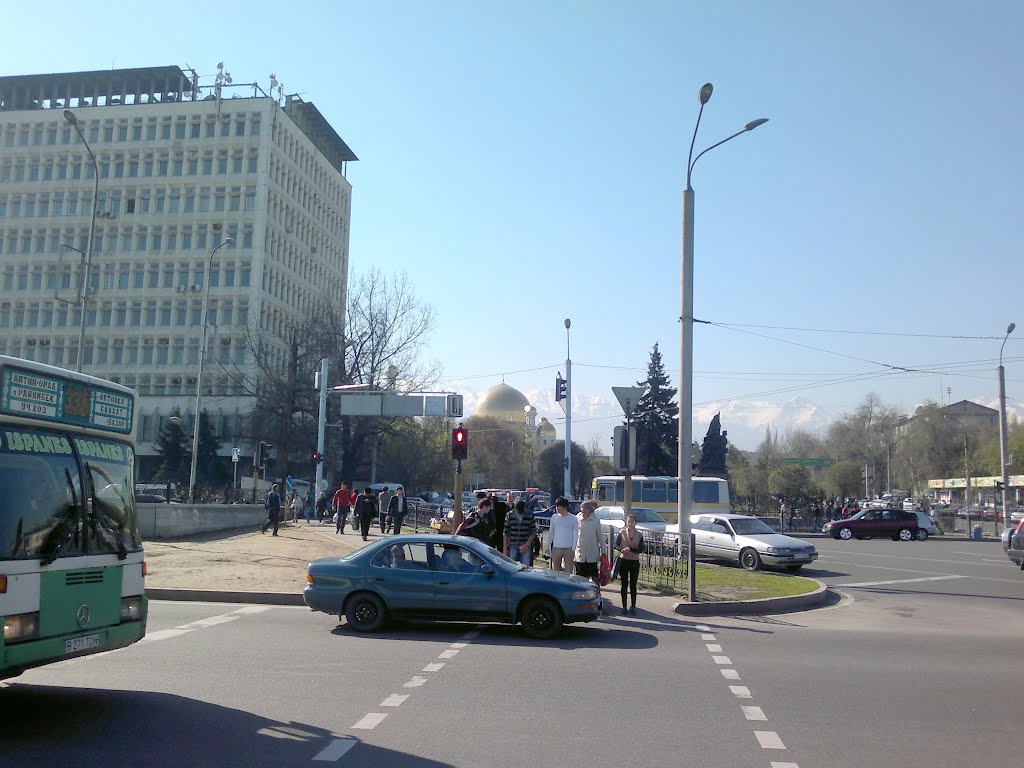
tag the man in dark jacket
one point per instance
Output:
(273, 507)
(366, 510)
(398, 507)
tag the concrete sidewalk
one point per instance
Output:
(244, 566)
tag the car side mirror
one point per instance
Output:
(487, 569)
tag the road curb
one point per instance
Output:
(219, 596)
(786, 604)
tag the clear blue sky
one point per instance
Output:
(524, 161)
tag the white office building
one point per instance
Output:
(183, 167)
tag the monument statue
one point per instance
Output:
(712, 461)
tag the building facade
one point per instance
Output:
(183, 168)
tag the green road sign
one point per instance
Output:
(810, 462)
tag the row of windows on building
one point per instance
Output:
(127, 240)
(117, 202)
(315, 236)
(100, 351)
(16, 170)
(223, 313)
(298, 190)
(111, 130)
(311, 162)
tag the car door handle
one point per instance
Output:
(442, 582)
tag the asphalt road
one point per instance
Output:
(906, 673)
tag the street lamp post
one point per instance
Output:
(685, 491)
(73, 120)
(199, 378)
(1003, 459)
(568, 414)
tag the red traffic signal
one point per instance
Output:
(460, 444)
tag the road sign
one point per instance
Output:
(628, 397)
(454, 407)
(810, 462)
(234, 455)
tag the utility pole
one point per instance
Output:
(321, 429)
(568, 414)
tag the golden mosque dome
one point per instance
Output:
(503, 403)
(546, 428)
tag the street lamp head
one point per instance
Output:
(705, 93)
(1010, 327)
(755, 123)
(567, 323)
(70, 117)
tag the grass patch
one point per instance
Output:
(716, 583)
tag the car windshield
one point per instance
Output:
(647, 516)
(750, 527)
(859, 515)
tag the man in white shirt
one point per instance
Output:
(590, 543)
(562, 537)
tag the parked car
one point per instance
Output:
(646, 519)
(748, 541)
(547, 512)
(871, 523)
(1013, 544)
(925, 526)
(454, 578)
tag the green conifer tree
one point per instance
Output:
(657, 436)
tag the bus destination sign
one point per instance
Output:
(34, 395)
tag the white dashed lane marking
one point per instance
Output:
(714, 647)
(458, 646)
(730, 674)
(754, 713)
(449, 654)
(394, 700)
(416, 682)
(740, 691)
(776, 764)
(769, 740)
(712, 638)
(433, 667)
(370, 721)
(900, 581)
(702, 628)
(336, 750)
(721, 660)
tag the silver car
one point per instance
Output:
(748, 541)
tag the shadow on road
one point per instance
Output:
(45, 725)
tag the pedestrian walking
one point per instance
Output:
(520, 532)
(478, 522)
(398, 508)
(562, 537)
(273, 507)
(322, 506)
(296, 506)
(589, 543)
(366, 510)
(342, 505)
(383, 502)
(629, 543)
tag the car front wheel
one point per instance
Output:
(906, 534)
(750, 560)
(845, 534)
(922, 534)
(540, 618)
(365, 612)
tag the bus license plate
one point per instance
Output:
(82, 643)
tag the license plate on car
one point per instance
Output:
(82, 643)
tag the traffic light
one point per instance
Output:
(460, 444)
(624, 449)
(999, 487)
(559, 388)
(259, 460)
(318, 458)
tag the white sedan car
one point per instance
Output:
(748, 541)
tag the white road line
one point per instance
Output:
(458, 645)
(708, 637)
(702, 628)
(336, 750)
(721, 660)
(776, 764)
(449, 654)
(769, 740)
(714, 647)
(394, 700)
(213, 621)
(433, 667)
(740, 691)
(416, 682)
(901, 581)
(730, 674)
(370, 721)
(253, 609)
(164, 634)
(754, 713)
(898, 557)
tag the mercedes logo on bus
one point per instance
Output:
(83, 616)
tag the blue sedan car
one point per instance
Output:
(446, 578)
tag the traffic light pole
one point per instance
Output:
(321, 431)
(457, 514)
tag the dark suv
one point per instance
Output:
(873, 523)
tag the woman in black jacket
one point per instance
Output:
(629, 543)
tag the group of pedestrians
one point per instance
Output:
(388, 509)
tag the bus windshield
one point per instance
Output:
(45, 513)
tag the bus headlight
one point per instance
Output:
(21, 627)
(131, 608)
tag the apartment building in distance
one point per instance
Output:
(183, 167)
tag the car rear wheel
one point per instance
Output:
(365, 612)
(845, 534)
(540, 618)
(749, 559)
(906, 534)
(922, 534)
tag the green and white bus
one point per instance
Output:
(71, 565)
